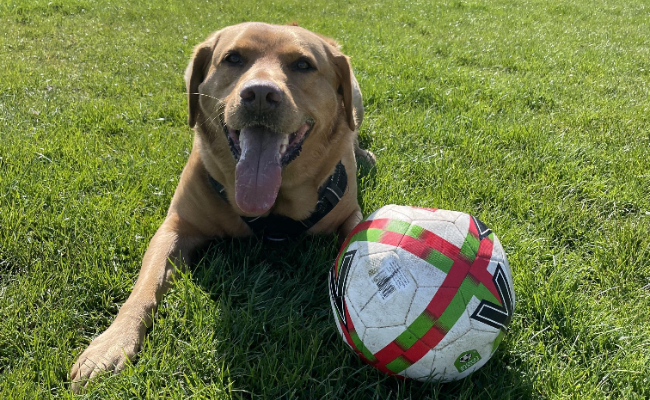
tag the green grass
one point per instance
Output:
(532, 115)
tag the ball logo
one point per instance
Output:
(466, 360)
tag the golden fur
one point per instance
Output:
(326, 98)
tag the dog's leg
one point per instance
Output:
(169, 248)
(362, 155)
(349, 224)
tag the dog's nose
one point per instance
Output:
(260, 95)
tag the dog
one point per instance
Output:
(275, 111)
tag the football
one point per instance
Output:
(420, 293)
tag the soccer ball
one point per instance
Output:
(422, 293)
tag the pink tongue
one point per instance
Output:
(259, 171)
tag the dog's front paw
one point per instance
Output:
(109, 352)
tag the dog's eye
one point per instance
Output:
(233, 58)
(303, 65)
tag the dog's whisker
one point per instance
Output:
(210, 119)
(219, 112)
(206, 95)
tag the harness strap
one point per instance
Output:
(277, 227)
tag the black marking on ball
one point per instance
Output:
(337, 284)
(497, 315)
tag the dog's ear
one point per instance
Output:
(342, 65)
(195, 74)
(348, 86)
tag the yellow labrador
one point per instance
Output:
(275, 110)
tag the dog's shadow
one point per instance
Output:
(274, 312)
(276, 334)
(258, 264)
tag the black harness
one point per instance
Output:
(277, 227)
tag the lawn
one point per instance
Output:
(532, 115)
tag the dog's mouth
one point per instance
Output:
(261, 153)
(290, 146)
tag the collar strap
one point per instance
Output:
(277, 227)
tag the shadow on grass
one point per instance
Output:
(366, 179)
(280, 340)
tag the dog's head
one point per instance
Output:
(270, 92)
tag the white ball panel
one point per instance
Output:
(391, 211)
(462, 224)
(498, 251)
(445, 229)
(498, 255)
(359, 286)
(376, 339)
(381, 212)
(458, 330)
(507, 269)
(407, 211)
(422, 214)
(440, 215)
(421, 300)
(422, 272)
(379, 313)
(492, 266)
(422, 369)
(481, 341)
